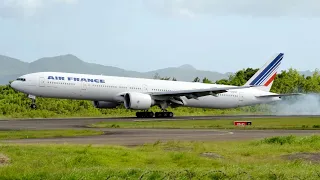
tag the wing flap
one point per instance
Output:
(279, 95)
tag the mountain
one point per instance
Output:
(12, 68)
(72, 64)
(10, 65)
(186, 73)
(307, 73)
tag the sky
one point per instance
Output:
(144, 35)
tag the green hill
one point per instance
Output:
(12, 68)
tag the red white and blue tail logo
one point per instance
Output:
(267, 73)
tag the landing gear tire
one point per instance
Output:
(33, 106)
(144, 114)
(150, 114)
(164, 114)
(156, 115)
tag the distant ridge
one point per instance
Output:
(187, 67)
(12, 68)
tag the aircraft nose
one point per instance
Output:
(13, 84)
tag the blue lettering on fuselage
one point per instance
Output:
(59, 78)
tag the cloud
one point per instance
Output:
(67, 1)
(186, 12)
(307, 104)
(26, 8)
(266, 8)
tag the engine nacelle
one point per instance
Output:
(138, 101)
(104, 104)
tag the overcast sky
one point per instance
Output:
(143, 35)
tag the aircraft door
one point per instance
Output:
(241, 98)
(42, 82)
(144, 88)
(83, 85)
(83, 91)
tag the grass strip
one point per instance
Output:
(259, 159)
(268, 123)
(31, 134)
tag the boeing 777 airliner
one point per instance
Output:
(141, 94)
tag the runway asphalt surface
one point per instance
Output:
(132, 137)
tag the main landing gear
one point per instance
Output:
(148, 114)
(33, 104)
(163, 114)
(145, 114)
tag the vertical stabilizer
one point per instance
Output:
(265, 76)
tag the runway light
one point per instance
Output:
(242, 123)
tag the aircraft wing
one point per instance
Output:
(279, 95)
(195, 93)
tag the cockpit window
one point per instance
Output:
(21, 79)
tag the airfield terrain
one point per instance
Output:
(139, 136)
(176, 148)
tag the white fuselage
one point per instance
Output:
(109, 88)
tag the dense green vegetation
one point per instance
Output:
(271, 158)
(31, 134)
(16, 105)
(272, 123)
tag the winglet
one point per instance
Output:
(265, 76)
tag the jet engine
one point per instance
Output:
(138, 101)
(104, 104)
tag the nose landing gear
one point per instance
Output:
(33, 99)
(33, 106)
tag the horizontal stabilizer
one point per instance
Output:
(279, 95)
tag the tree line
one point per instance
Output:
(287, 81)
(16, 104)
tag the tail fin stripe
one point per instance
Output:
(266, 71)
(270, 71)
(268, 68)
(265, 76)
(268, 75)
(271, 79)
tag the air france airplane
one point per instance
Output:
(141, 94)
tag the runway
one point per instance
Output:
(133, 137)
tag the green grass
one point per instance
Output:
(29, 134)
(261, 159)
(270, 123)
(31, 114)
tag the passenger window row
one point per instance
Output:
(160, 90)
(228, 95)
(106, 86)
(61, 83)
